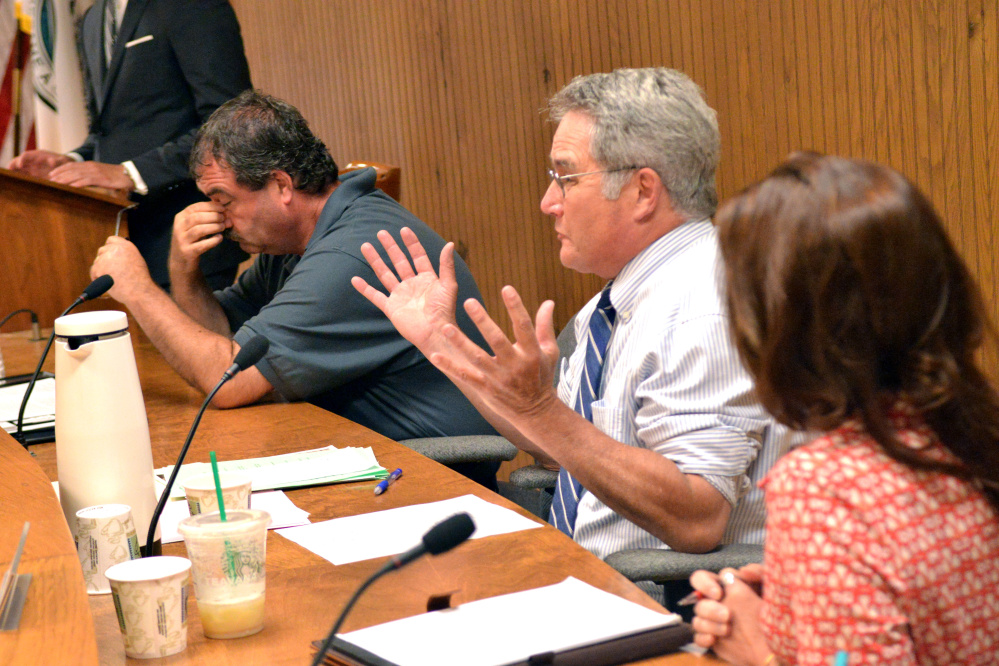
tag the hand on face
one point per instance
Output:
(121, 260)
(92, 174)
(196, 229)
(419, 303)
(38, 163)
(727, 619)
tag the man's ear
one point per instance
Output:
(285, 186)
(649, 193)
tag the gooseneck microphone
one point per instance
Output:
(441, 538)
(96, 288)
(248, 356)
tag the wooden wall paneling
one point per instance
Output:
(983, 106)
(451, 90)
(846, 24)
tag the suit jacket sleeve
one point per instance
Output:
(205, 40)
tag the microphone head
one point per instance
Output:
(97, 288)
(447, 534)
(250, 353)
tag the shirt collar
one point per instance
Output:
(626, 287)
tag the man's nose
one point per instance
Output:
(551, 202)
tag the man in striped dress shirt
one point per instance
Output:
(675, 441)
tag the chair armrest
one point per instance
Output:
(660, 566)
(463, 448)
(535, 477)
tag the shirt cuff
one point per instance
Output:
(140, 185)
(76, 157)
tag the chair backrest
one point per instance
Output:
(387, 178)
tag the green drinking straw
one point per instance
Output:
(218, 484)
(230, 558)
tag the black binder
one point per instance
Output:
(620, 650)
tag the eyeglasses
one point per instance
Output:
(560, 180)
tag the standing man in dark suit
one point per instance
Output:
(156, 70)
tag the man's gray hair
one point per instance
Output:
(657, 118)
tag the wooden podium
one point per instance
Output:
(49, 236)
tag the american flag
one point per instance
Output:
(16, 89)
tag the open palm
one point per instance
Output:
(419, 302)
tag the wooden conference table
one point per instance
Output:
(304, 592)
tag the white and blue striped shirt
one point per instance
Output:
(673, 383)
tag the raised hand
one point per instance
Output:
(419, 302)
(516, 380)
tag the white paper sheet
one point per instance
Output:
(38, 413)
(283, 512)
(393, 531)
(467, 635)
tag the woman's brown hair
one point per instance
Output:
(845, 294)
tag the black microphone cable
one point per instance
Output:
(96, 288)
(248, 355)
(36, 333)
(441, 538)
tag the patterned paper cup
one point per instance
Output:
(150, 597)
(201, 497)
(105, 536)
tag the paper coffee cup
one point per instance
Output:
(201, 496)
(150, 597)
(105, 536)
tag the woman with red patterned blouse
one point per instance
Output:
(857, 318)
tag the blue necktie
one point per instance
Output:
(567, 489)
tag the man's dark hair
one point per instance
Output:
(255, 135)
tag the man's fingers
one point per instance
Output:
(447, 267)
(523, 327)
(377, 298)
(493, 334)
(395, 254)
(416, 250)
(382, 272)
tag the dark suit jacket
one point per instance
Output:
(148, 105)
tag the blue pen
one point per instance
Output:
(383, 485)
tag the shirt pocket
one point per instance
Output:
(613, 422)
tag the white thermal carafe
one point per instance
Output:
(102, 435)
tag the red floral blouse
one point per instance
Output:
(867, 555)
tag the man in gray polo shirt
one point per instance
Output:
(274, 189)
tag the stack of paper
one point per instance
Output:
(291, 470)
